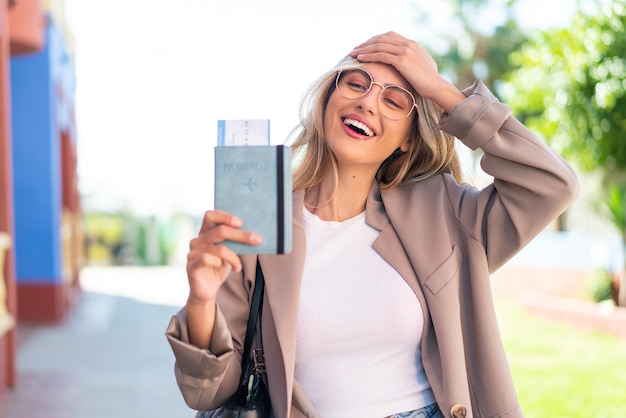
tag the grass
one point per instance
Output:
(562, 371)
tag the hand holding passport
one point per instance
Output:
(253, 181)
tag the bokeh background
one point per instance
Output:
(108, 120)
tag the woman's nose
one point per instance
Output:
(369, 101)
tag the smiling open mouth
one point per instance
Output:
(358, 127)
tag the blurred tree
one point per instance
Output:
(570, 86)
(473, 41)
(469, 49)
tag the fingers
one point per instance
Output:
(211, 253)
(410, 59)
(384, 48)
(207, 272)
(209, 261)
(391, 48)
(215, 217)
(217, 227)
(217, 262)
(389, 38)
(217, 234)
(213, 257)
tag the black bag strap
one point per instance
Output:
(255, 310)
(490, 202)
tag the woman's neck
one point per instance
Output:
(342, 202)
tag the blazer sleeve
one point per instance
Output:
(207, 378)
(532, 185)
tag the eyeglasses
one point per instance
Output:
(394, 102)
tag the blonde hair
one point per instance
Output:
(431, 151)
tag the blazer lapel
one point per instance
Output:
(283, 278)
(388, 245)
(417, 209)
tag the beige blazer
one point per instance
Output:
(443, 238)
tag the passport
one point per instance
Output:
(254, 183)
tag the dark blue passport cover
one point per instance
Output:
(254, 183)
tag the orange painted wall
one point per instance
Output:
(27, 24)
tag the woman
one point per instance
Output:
(383, 307)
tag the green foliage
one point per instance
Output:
(616, 207)
(570, 86)
(473, 50)
(121, 238)
(103, 232)
(600, 286)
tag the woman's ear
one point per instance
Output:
(404, 146)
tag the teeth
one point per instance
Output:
(359, 125)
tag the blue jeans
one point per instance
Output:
(430, 411)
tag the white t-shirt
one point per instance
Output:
(359, 326)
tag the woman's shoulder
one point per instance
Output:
(439, 183)
(436, 190)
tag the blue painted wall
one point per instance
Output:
(37, 165)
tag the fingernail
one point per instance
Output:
(236, 221)
(255, 238)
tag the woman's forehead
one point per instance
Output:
(386, 74)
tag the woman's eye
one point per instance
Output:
(391, 102)
(357, 85)
(396, 99)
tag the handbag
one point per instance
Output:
(252, 397)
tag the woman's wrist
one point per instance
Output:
(200, 322)
(446, 95)
(200, 303)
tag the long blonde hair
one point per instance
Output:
(431, 151)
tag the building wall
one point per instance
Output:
(39, 205)
(20, 32)
(39, 120)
